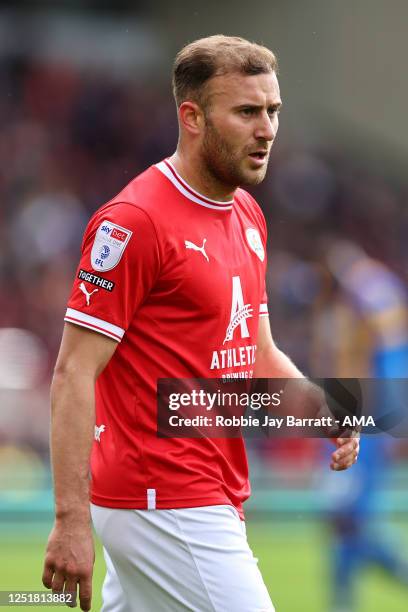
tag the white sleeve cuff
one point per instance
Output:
(263, 310)
(103, 327)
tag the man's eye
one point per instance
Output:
(247, 112)
(273, 111)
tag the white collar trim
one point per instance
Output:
(167, 168)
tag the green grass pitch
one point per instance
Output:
(291, 557)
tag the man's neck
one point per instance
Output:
(198, 177)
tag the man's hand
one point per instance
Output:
(69, 560)
(347, 441)
(346, 453)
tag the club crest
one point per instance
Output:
(255, 242)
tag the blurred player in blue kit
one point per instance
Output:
(369, 303)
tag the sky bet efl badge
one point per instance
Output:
(109, 244)
(255, 242)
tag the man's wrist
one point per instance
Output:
(73, 513)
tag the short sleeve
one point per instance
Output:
(119, 265)
(263, 306)
(263, 236)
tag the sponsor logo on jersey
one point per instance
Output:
(255, 242)
(96, 280)
(98, 431)
(109, 245)
(233, 357)
(195, 247)
(240, 312)
(119, 235)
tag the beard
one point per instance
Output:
(226, 164)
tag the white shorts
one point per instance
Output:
(195, 559)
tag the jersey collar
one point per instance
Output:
(167, 168)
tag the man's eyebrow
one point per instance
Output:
(275, 106)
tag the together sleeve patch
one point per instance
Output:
(96, 280)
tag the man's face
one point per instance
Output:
(241, 122)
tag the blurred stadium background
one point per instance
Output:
(85, 105)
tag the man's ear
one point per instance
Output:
(191, 117)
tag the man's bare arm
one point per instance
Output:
(70, 553)
(271, 362)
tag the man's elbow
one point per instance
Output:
(78, 364)
(66, 369)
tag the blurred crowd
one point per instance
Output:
(337, 277)
(71, 139)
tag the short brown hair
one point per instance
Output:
(205, 58)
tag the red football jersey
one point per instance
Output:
(178, 280)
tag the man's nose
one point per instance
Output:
(267, 127)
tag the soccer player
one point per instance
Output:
(171, 283)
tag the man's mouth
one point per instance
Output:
(259, 156)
